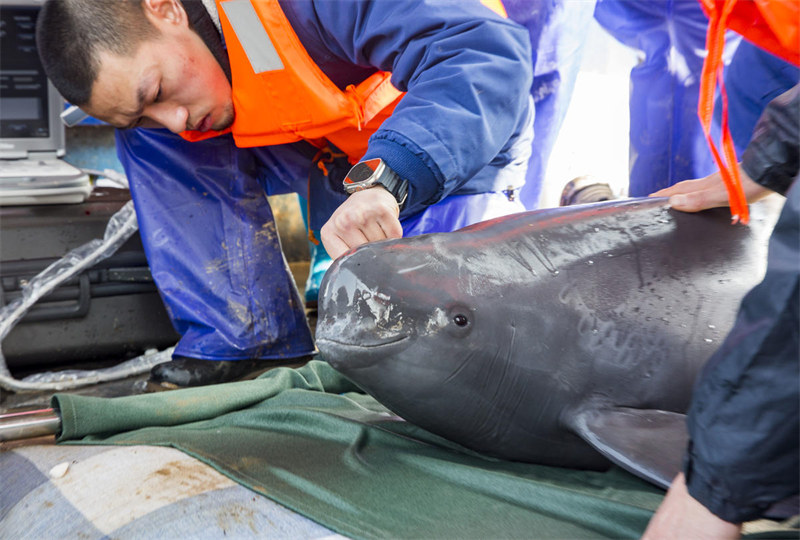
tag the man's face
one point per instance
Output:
(171, 81)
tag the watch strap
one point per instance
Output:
(395, 185)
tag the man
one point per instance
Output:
(666, 140)
(309, 99)
(557, 30)
(743, 454)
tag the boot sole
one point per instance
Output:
(165, 386)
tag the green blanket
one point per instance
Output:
(312, 441)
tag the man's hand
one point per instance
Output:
(682, 516)
(708, 192)
(366, 216)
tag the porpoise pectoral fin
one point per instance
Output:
(646, 442)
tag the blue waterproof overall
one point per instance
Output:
(667, 144)
(557, 30)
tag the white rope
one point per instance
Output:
(120, 228)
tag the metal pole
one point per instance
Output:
(24, 425)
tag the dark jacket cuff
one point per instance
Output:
(713, 496)
(410, 164)
(706, 493)
(772, 158)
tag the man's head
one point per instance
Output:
(133, 63)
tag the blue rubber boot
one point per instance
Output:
(320, 261)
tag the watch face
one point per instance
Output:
(363, 171)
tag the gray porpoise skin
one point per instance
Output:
(496, 336)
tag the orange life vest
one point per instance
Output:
(773, 25)
(281, 96)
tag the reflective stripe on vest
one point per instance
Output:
(254, 39)
(281, 96)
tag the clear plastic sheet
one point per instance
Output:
(61, 380)
(120, 228)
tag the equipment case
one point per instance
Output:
(111, 311)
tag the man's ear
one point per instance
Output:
(165, 13)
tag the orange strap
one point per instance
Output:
(718, 14)
(773, 25)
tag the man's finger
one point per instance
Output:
(374, 231)
(688, 186)
(699, 200)
(391, 228)
(334, 245)
(338, 240)
(350, 238)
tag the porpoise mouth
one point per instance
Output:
(344, 356)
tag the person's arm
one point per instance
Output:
(467, 74)
(743, 453)
(769, 164)
(681, 516)
(709, 192)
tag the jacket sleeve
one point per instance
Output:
(773, 156)
(744, 422)
(467, 73)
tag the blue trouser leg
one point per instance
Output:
(557, 30)
(212, 245)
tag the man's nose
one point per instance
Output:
(173, 118)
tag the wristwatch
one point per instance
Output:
(375, 172)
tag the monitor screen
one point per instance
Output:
(23, 83)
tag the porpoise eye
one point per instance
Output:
(461, 320)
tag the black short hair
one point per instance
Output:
(71, 33)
